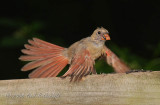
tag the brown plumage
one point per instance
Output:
(48, 59)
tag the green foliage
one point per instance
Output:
(21, 32)
(102, 67)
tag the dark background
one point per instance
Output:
(133, 26)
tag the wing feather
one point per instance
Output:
(82, 65)
(113, 60)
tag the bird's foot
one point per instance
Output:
(132, 71)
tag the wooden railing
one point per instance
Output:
(141, 88)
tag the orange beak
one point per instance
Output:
(106, 37)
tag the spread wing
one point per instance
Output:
(82, 65)
(118, 65)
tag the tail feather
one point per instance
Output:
(37, 57)
(37, 72)
(30, 52)
(50, 70)
(42, 44)
(45, 70)
(34, 48)
(57, 68)
(63, 64)
(36, 63)
(46, 44)
(47, 58)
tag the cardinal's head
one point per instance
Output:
(100, 34)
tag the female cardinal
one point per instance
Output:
(50, 59)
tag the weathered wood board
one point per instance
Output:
(142, 88)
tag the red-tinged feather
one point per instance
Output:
(47, 43)
(37, 63)
(46, 69)
(74, 76)
(30, 52)
(63, 64)
(112, 59)
(77, 72)
(57, 70)
(81, 74)
(80, 65)
(88, 71)
(33, 48)
(85, 69)
(37, 72)
(29, 58)
(70, 71)
(39, 44)
(74, 66)
(37, 57)
(47, 58)
(92, 69)
(78, 69)
(53, 68)
(33, 43)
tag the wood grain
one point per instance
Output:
(142, 88)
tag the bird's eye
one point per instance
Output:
(99, 32)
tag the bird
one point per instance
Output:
(48, 59)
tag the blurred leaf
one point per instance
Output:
(102, 67)
(156, 50)
(28, 29)
(11, 42)
(153, 64)
(18, 37)
(11, 22)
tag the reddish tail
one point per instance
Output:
(47, 58)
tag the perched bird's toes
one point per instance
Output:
(63, 77)
(131, 71)
(113, 73)
(149, 71)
